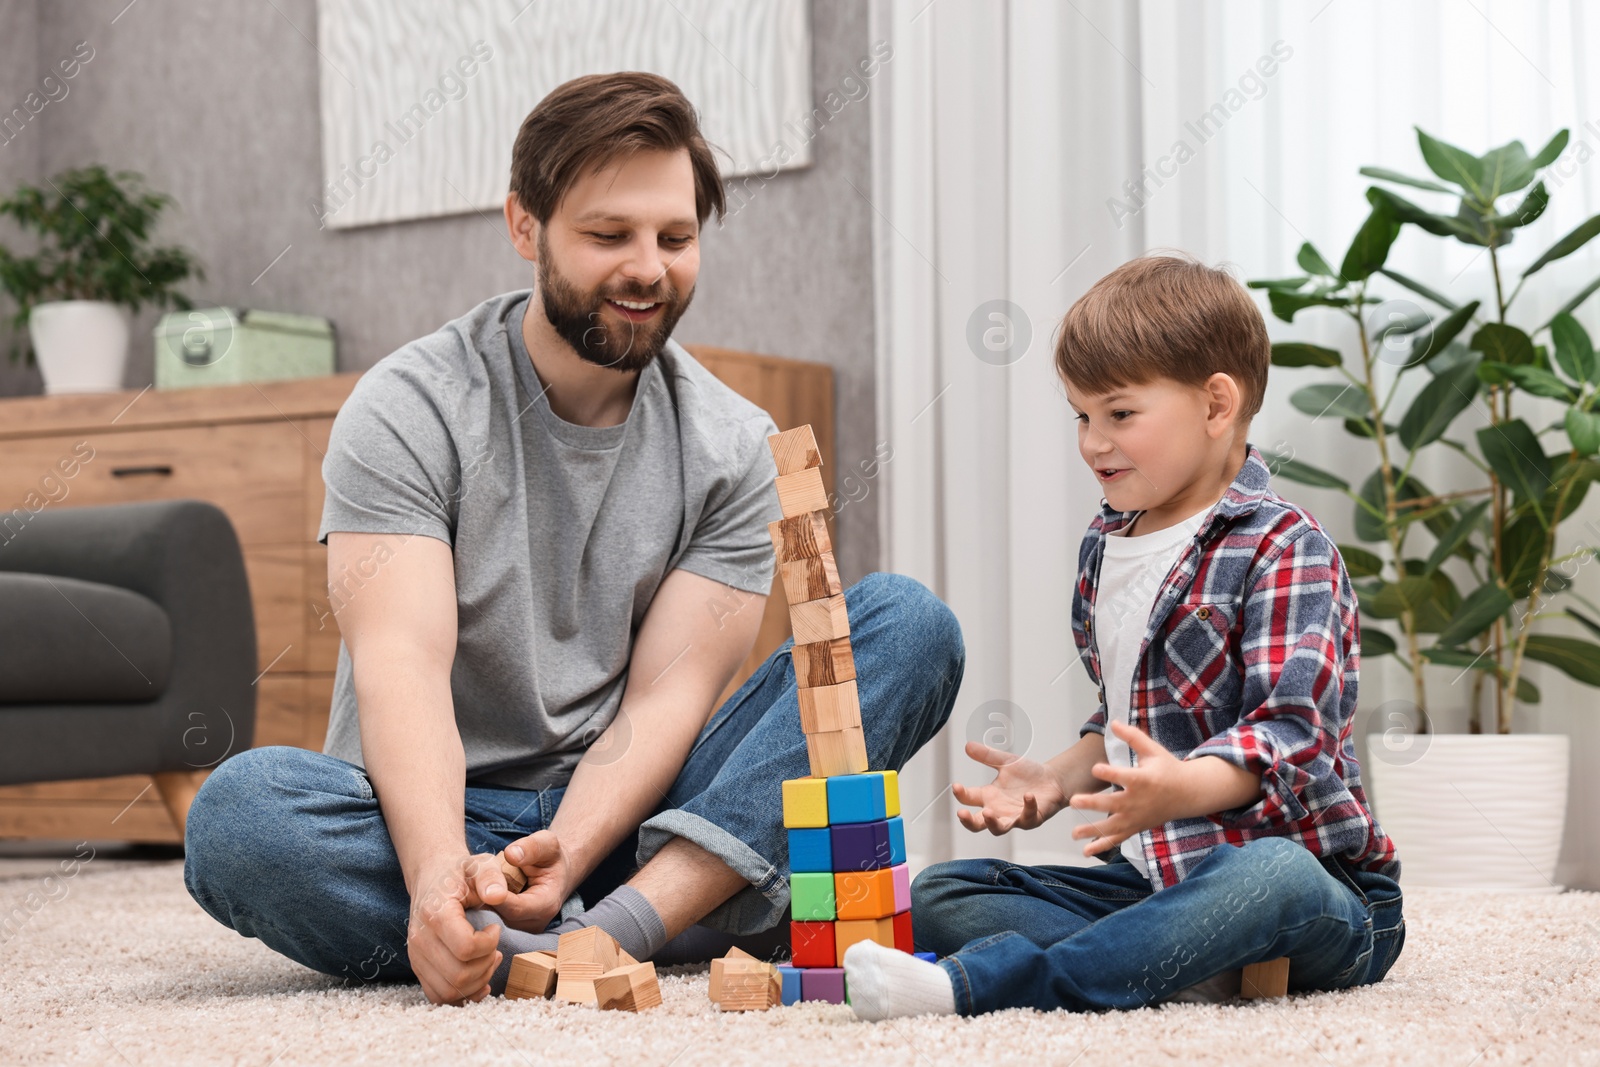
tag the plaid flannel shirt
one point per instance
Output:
(1251, 653)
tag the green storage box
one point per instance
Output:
(227, 346)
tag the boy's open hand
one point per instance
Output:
(1153, 792)
(1024, 793)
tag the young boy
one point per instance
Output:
(1220, 626)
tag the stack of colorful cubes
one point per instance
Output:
(848, 877)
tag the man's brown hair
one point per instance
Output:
(588, 122)
(1165, 316)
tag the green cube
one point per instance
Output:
(811, 896)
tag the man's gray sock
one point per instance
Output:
(628, 917)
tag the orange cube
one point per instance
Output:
(864, 894)
(847, 932)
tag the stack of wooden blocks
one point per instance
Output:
(849, 881)
(588, 967)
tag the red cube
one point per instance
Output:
(811, 944)
(902, 931)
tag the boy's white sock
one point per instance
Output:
(885, 983)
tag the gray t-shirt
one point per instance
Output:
(561, 533)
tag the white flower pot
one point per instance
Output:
(1472, 811)
(81, 345)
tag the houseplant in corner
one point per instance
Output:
(1498, 540)
(94, 263)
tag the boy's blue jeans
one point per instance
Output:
(1099, 937)
(290, 846)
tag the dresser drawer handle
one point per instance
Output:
(124, 472)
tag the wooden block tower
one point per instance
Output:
(847, 855)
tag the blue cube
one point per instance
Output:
(897, 842)
(810, 851)
(929, 956)
(791, 984)
(856, 798)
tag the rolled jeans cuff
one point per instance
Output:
(751, 910)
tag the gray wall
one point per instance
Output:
(217, 104)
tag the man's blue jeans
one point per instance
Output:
(1093, 938)
(290, 846)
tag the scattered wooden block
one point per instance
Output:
(830, 708)
(533, 975)
(824, 663)
(628, 988)
(795, 450)
(801, 537)
(819, 620)
(718, 966)
(516, 881)
(750, 985)
(839, 752)
(581, 957)
(812, 578)
(801, 492)
(1269, 978)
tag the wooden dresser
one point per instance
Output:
(256, 451)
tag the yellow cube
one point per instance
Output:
(847, 932)
(805, 803)
(891, 794)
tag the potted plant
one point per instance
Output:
(94, 264)
(1489, 569)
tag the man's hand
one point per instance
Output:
(1157, 790)
(1024, 793)
(544, 862)
(451, 959)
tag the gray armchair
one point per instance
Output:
(127, 646)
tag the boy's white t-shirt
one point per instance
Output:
(1131, 573)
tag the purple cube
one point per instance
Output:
(822, 983)
(861, 846)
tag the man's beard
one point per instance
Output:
(624, 346)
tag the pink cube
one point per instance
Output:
(902, 887)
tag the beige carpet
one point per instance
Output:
(122, 968)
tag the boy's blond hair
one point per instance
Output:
(1165, 316)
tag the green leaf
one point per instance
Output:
(1402, 324)
(1285, 305)
(1503, 344)
(1455, 165)
(1569, 244)
(1552, 149)
(1301, 354)
(1360, 563)
(1458, 534)
(1311, 261)
(1422, 290)
(1396, 598)
(1363, 428)
(1588, 623)
(1531, 207)
(1534, 380)
(1521, 547)
(1431, 341)
(1514, 454)
(1331, 398)
(1434, 223)
(1383, 174)
(1286, 284)
(1306, 474)
(1583, 430)
(1371, 245)
(1437, 405)
(1374, 642)
(1574, 656)
(1505, 170)
(1476, 614)
(1574, 351)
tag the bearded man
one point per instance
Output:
(547, 540)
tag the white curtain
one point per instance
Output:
(1010, 144)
